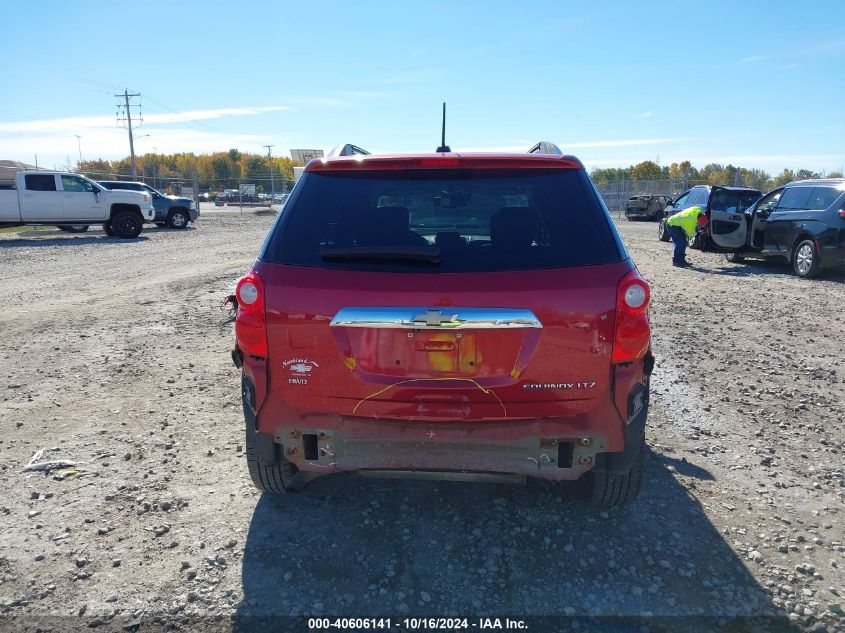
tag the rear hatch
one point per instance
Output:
(432, 294)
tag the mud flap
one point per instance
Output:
(622, 462)
(263, 446)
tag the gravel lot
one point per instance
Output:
(115, 355)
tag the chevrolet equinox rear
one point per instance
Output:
(446, 315)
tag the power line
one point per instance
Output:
(128, 109)
(270, 160)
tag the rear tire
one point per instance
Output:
(611, 490)
(107, 229)
(735, 258)
(805, 260)
(127, 224)
(662, 232)
(178, 219)
(273, 478)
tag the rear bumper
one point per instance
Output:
(555, 450)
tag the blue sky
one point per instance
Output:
(756, 84)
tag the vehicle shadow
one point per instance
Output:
(70, 240)
(352, 546)
(754, 268)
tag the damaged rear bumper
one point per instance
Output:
(555, 450)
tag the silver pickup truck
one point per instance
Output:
(66, 200)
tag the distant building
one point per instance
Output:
(10, 168)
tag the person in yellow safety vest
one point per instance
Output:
(681, 226)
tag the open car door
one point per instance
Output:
(728, 225)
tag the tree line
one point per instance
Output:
(712, 174)
(226, 170)
(215, 172)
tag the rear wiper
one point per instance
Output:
(429, 254)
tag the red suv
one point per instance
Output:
(446, 315)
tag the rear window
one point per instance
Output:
(823, 197)
(40, 182)
(445, 221)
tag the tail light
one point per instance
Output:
(250, 324)
(842, 211)
(633, 331)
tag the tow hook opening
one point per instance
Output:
(309, 446)
(564, 454)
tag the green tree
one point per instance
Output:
(806, 174)
(756, 179)
(603, 177)
(787, 175)
(646, 170)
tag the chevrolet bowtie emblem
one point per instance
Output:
(436, 318)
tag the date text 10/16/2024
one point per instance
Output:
(416, 624)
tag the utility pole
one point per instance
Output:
(126, 97)
(79, 145)
(272, 178)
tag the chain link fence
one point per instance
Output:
(616, 193)
(173, 183)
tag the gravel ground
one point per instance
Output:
(115, 355)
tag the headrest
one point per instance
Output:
(514, 228)
(382, 225)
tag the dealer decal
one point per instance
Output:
(300, 370)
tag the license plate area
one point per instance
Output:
(411, 354)
(421, 353)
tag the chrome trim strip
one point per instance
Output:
(444, 318)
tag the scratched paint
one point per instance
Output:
(484, 390)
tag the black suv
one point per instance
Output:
(802, 223)
(705, 196)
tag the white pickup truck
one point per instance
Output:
(67, 200)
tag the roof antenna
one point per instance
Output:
(443, 147)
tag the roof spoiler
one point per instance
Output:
(347, 150)
(545, 147)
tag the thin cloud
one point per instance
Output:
(74, 124)
(790, 66)
(647, 114)
(579, 145)
(112, 143)
(752, 59)
(786, 160)
(826, 48)
(627, 143)
(770, 162)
